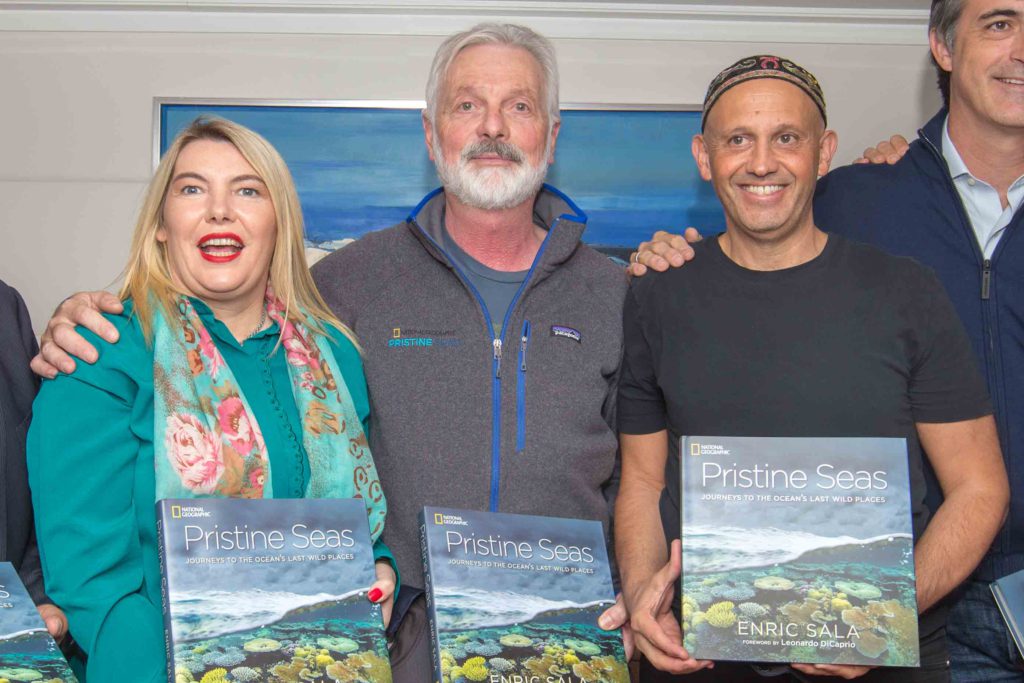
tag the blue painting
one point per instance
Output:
(359, 169)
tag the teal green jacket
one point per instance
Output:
(90, 457)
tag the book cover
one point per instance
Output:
(27, 652)
(1009, 595)
(269, 590)
(798, 550)
(515, 599)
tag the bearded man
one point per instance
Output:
(492, 334)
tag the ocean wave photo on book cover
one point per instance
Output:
(270, 590)
(798, 550)
(27, 652)
(516, 598)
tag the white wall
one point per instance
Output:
(76, 112)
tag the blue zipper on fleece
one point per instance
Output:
(496, 458)
(521, 390)
(496, 343)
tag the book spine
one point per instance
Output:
(435, 642)
(684, 448)
(162, 537)
(1008, 617)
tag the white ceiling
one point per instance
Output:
(819, 4)
(643, 6)
(878, 22)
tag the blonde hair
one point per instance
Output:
(147, 276)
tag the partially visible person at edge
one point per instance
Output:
(869, 339)
(231, 379)
(954, 204)
(18, 386)
(492, 333)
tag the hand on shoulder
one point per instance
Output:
(664, 250)
(61, 343)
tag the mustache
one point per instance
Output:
(504, 150)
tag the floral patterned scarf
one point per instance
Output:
(206, 439)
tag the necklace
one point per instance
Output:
(259, 325)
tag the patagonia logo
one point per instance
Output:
(566, 332)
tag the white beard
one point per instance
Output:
(490, 188)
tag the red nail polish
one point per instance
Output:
(375, 594)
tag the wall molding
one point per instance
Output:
(565, 19)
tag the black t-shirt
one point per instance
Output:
(854, 342)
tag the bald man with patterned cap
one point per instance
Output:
(792, 332)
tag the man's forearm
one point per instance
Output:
(955, 541)
(969, 466)
(639, 539)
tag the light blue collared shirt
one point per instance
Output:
(984, 207)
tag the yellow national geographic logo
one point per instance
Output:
(396, 333)
(712, 449)
(442, 519)
(175, 512)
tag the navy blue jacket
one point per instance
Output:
(913, 209)
(18, 386)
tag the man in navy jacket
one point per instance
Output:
(953, 203)
(17, 389)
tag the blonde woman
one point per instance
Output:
(231, 378)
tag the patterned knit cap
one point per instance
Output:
(763, 66)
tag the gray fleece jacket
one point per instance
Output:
(523, 422)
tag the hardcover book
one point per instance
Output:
(516, 598)
(269, 590)
(27, 652)
(1009, 594)
(798, 550)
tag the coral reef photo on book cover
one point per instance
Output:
(27, 652)
(270, 590)
(798, 550)
(517, 597)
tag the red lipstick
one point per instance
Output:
(220, 247)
